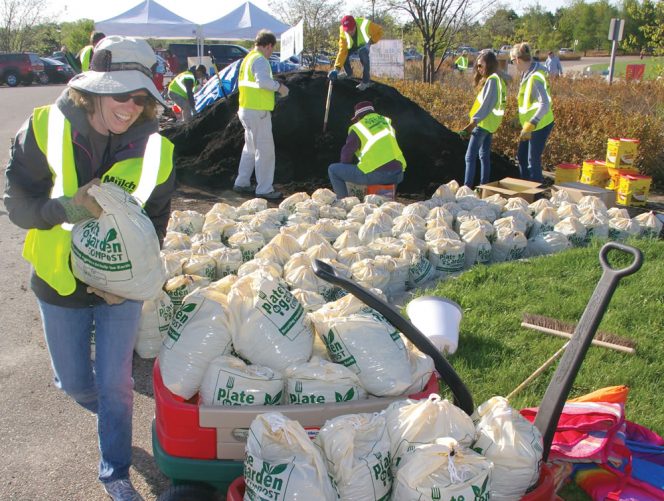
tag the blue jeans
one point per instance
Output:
(363, 52)
(105, 386)
(341, 173)
(479, 144)
(530, 152)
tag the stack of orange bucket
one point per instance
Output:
(620, 159)
(594, 173)
(567, 173)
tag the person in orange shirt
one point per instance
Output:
(356, 34)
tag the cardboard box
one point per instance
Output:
(512, 187)
(577, 191)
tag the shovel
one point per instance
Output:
(462, 397)
(327, 105)
(561, 383)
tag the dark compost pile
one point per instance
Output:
(207, 149)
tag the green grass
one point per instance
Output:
(653, 66)
(495, 354)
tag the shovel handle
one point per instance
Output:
(327, 105)
(620, 272)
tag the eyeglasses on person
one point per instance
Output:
(139, 100)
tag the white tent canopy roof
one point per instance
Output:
(242, 24)
(148, 20)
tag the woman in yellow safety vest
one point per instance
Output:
(103, 128)
(535, 111)
(485, 116)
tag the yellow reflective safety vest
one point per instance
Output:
(495, 118)
(378, 143)
(86, 57)
(49, 250)
(462, 63)
(362, 33)
(251, 95)
(177, 85)
(529, 107)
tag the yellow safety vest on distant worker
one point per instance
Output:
(378, 143)
(251, 95)
(528, 107)
(86, 57)
(362, 33)
(462, 63)
(177, 85)
(49, 250)
(495, 118)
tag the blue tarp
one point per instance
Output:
(213, 90)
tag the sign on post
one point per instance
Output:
(387, 59)
(634, 71)
(292, 41)
(616, 28)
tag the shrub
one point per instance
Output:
(587, 112)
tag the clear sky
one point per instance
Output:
(203, 11)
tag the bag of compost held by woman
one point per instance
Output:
(119, 252)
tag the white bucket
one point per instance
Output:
(438, 319)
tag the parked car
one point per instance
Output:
(566, 50)
(471, 50)
(24, 67)
(276, 57)
(412, 55)
(320, 60)
(505, 49)
(56, 71)
(223, 54)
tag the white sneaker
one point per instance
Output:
(363, 86)
(122, 490)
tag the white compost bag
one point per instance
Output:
(328, 228)
(387, 246)
(290, 202)
(282, 463)
(248, 242)
(274, 253)
(186, 221)
(596, 223)
(443, 471)
(364, 341)
(310, 300)
(399, 270)
(224, 285)
(442, 214)
(572, 228)
(483, 224)
(567, 209)
(260, 263)
(447, 256)
(347, 239)
(347, 203)
(179, 287)
(222, 209)
(119, 251)
(252, 206)
(375, 199)
(331, 212)
(303, 277)
(201, 265)
(409, 224)
(199, 332)
(558, 197)
(287, 242)
(516, 203)
(512, 443)
(418, 208)
(615, 212)
(444, 193)
(175, 241)
(545, 220)
(650, 225)
(593, 202)
(321, 382)
(370, 274)
(478, 248)
(548, 242)
(538, 205)
(229, 381)
(173, 262)
(322, 251)
(621, 228)
(509, 245)
(268, 322)
(357, 450)
(228, 261)
(156, 316)
(311, 238)
(411, 423)
(373, 229)
(323, 196)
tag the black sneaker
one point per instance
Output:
(243, 189)
(273, 195)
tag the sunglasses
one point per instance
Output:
(480, 65)
(140, 100)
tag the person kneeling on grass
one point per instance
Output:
(372, 139)
(485, 116)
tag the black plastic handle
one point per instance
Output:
(621, 272)
(558, 390)
(462, 397)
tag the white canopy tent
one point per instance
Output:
(242, 24)
(149, 20)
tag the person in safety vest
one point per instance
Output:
(356, 35)
(485, 116)
(257, 88)
(85, 55)
(461, 62)
(182, 88)
(535, 112)
(371, 138)
(102, 128)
